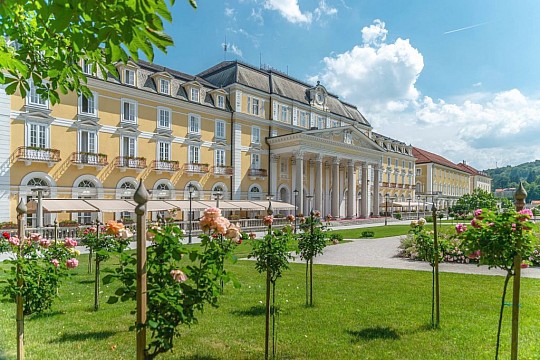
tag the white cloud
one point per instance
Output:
(477, 84)
(256, 15)
(232, 48)
(324, 10)
(486, 129)
(229, 12)
(290, 10)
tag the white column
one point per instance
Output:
(299, 156)
(335, 187)
(327, 207)
(237, 162)
(351, 189)
(318, 185)
(376, 190)
(5, 153)
(364, 188)
(273, 175)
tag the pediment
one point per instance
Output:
(346, 135)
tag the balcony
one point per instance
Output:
(223, 170)
(30, 154)
(192, 168)
(165, 165)
(384, 184)
(129, 162)
(82, 159)
(254, 173)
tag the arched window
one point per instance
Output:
(254, 193)
(127, 185)
(37, 182)
(86, 184)
(164, 187)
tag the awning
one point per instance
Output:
(111, 205)
(223, 205)
(247, 205)
(184, 205)
(155, 205)
(61, 205)
(276, 205)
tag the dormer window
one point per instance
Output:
(88, 104)
(194, 94)
(34, 98)
(86, 67)
(164, 86)
(221, 101)
(129, 77)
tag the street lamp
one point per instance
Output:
(409, 215)
(191, 189)
(386, 196)
(269, 211)
(417, 207)
(218, 195)
(295, 192)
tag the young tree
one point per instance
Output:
(479, 199)
(46, 40)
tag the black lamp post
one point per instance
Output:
(191, 189)
(417, 207)
(295, 192)
(386, 196)
(218, 196)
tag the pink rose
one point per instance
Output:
(475, 223)
(460, 228)
(14, 241)
(290, 218)
(44, 243)
(72, 263)
(233, 232)
(55, 262)
(477, 213)
(35, 237)
(178, 275)
(524, 265)
(212, 213)
(268, 220)
(317, 213)
(205, 224)
(221, 225)
(69, 242)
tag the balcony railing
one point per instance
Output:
(165, 165)
(258, 172)
(86, 158)
(30, 153)
(223, 170)
(196, 168)
(130, 162)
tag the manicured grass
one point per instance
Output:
(380, 231)
(359, 313)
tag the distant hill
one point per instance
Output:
(510, 176)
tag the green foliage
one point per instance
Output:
(272, 252)
(40, 266)
(366, 234)
(104, 245)
(397, 216)
(477, 200)
(313, 239)
(180, 281)
(510, 176)
(47, 40)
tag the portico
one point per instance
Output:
(338, 166)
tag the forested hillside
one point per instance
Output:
(510, 176)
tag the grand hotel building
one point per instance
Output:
(235, 128)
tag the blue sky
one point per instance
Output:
(459, 78)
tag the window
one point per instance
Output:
(34, 98)
(410, 165)
(303, 119)
(129, 146)
(194, 124)
(164, 118)
(418, 172)
(129, 77)
(255, 135)
(220, 157)
(284, 165)
(284, 113)
(389, 162)
(129, 111)
(220, 129)
(320, 122)
(164, 151)
(195, 94)
(193, 154)
(348, 138)
(86, 67)
(85, 217)
(88, 105)
(38, 135)
(335, 123)
(221, 101)
(255, 161)
(164, 86)
(88, 141)
(397, 163)
(254, 193)
(255, 108)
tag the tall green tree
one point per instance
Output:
(478, 199)
(46, 40)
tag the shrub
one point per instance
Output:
(429, 218)
(366, 234)
(336, 238)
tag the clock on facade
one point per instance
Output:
(319, 98)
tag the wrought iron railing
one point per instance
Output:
(258, 172)
(130, 162)
(196, 168)
(87, 158)
(32, 153)
(165, 165)
(223, 170)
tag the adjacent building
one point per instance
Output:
(477, 179)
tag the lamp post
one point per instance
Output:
(409, 212)
(218, 196)
(295, 192)
(386, 196)
(191, 189)
(39, 209)
(418, 206)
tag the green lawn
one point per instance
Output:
(359, 313)
(380, 231)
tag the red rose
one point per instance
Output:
(6, 235)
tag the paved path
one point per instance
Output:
(381, 253)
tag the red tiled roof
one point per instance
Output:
(471, 170)
(424, 157)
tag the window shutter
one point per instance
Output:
(275, 111)
(238, 100)
(312, 120)
(295, 116)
